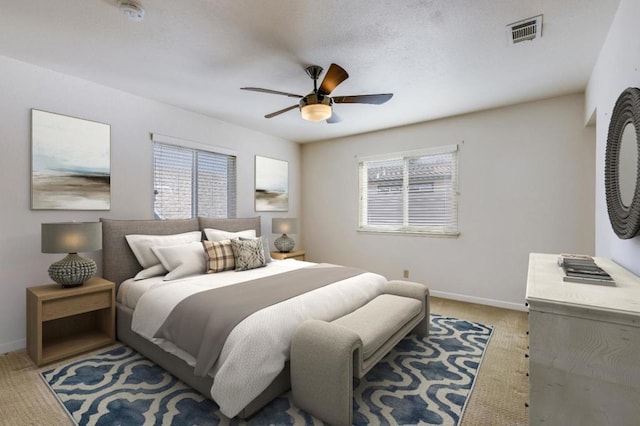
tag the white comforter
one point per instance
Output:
(256, 350)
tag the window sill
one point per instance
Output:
(408, 233)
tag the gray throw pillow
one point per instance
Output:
(248, 254)
(265, 246)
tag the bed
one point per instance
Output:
(120, 264)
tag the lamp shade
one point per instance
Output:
(71, 237)
(284, 226)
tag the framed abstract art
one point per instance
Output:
(272, 185)
(70, 163)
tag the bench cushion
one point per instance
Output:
(380, 319)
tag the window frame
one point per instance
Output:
(195, 148)
(451, 230)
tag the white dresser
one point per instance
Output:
(584, 339)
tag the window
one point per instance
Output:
(189, 182)
(412, 192)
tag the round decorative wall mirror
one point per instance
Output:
(622, 165)
(628, 165)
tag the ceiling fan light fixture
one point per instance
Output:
(318, 105)
(315, 108)
(317, 112)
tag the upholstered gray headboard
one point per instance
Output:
(118, 261)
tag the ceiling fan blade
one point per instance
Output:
(334, 76)
(273, 92)
(363, 99)
(273, 114)
(335, 118)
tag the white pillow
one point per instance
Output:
(152, 271)
(219, 235)
(141, 248)
(182, 260)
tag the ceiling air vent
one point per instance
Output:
(525, 30)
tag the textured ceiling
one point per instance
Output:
(438, 57)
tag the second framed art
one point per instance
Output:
(272, 185)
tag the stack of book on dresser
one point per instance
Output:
(583, 269)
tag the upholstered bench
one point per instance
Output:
(325, 356)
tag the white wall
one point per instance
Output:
(618, 67)
(526, 185)
(22, 87)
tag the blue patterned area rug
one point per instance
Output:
(421, 381)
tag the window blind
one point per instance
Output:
(191, 182)
(410, 192)
(216, 184)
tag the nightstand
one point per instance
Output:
(296, 254)
(62, 322)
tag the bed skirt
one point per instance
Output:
(184, 372)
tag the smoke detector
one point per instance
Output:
(525, 30)
(131, 9)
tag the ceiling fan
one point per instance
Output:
(318, 105)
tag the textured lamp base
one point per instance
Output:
(72, 271)
(284, 244)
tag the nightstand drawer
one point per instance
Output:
(73, 305)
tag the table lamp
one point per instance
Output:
(282, 226)
(71, 238)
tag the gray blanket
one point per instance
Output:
(200, 323)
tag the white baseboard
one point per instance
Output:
(13, 346)
(479, 300)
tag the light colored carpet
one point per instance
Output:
(498, 397)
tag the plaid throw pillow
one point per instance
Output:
(219, 256)
(249, 254)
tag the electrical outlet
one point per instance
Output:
(405, 273)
